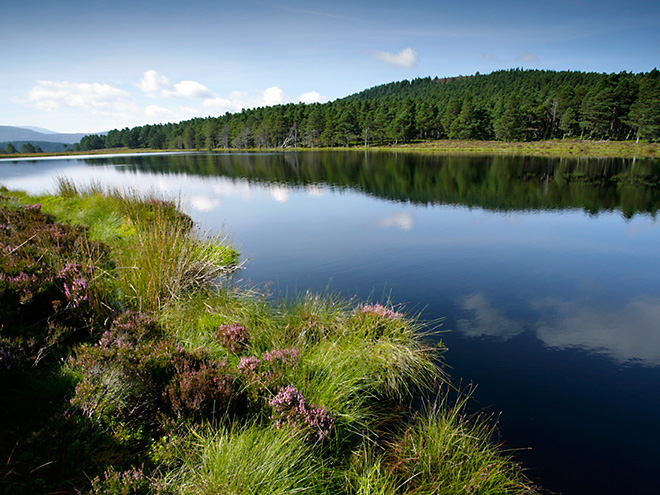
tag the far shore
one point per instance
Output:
(566, 148)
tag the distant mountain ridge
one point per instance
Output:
(11, 133)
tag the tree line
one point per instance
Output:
(508, 105)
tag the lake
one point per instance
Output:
(546, 272)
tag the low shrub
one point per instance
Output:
(264, 376)
(50, 297)
(113, 482)
(291, 410)
(201, 390)
(129, 376)
(233, 337)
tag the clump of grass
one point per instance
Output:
(165, 258)
(369, 474)
(248, 459)
(448, 452)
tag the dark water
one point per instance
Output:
(546, 271)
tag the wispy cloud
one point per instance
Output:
(406, 58)
(172, 102)
(528, 58)
(53, 95)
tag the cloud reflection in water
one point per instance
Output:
(628, 334)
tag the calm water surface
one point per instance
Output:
(546, 272)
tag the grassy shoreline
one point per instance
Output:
(132, 364)
(566, 148)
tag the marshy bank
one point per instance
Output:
(130, 363)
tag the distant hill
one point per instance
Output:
(38, 129)
(12, 134)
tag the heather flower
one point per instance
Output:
(268, 372)
(283, 356)
(234, 337)
(249, 365)
(199, 389)
(290, 409)
(380, 310)
(120, 483)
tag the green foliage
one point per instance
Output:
(252, 460)
(449, 453)
(50, 296)
(134, 377)
(131, 482)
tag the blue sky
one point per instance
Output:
(73, 66)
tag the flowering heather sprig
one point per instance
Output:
(290, 409)
(133, 481)
(199, 389)
(76, 293)
(249, 365)
(75, 286)
(284, 356)
(269, 371)
(35, 207)
(380, 310)
(234, 337)
(23, 284)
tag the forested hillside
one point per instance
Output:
(512, 105)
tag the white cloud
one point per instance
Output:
(191, 89)
(158, 112)
(154, 84)
(52, 95)
(406, 58)
(157, 85)
(312, 97)
(275, 96)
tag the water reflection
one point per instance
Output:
(500, 183)
(628, 334)
(404, 221)
(625, 333)
(482, 319)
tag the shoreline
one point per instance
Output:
(566, 148)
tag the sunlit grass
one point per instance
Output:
(551, 148)
(248, 460)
